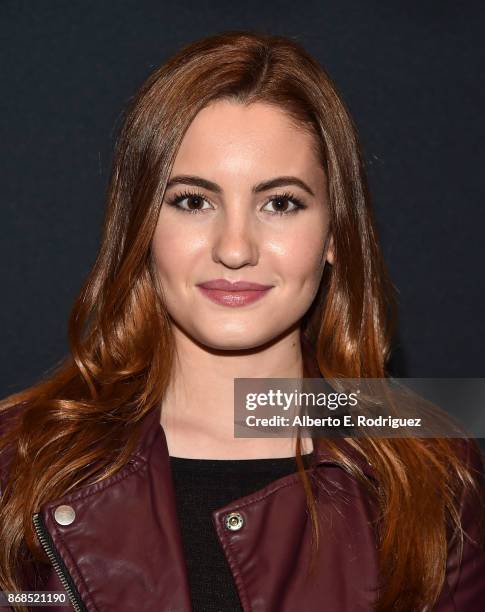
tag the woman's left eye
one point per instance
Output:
(284, 204)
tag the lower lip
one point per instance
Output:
(234, 298)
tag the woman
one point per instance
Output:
(238, 243)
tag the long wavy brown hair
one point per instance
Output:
(79, 424)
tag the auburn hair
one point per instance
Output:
(79, 424)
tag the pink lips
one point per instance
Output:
(236, 294)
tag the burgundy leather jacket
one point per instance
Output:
(115, 546)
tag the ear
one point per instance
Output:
(330, 255)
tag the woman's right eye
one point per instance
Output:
(190, 202)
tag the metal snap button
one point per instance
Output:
(233, 521)
(64, 515)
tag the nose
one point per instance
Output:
(235, 241)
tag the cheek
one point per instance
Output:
(174, 251)
(300, 254)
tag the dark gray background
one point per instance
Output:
(410, 72)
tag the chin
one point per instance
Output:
(232, 341)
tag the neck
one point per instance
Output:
(198, 407)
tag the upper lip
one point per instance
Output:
(221, 283)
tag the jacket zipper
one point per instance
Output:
(48, 545)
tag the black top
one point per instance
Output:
(205, 485)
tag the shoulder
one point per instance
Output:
(465, 566)
(472, 494)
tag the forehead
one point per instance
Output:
(259, 138)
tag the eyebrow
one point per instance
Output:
(198, 181)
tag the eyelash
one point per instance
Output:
(177, 198)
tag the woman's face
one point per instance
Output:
(246, 202)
